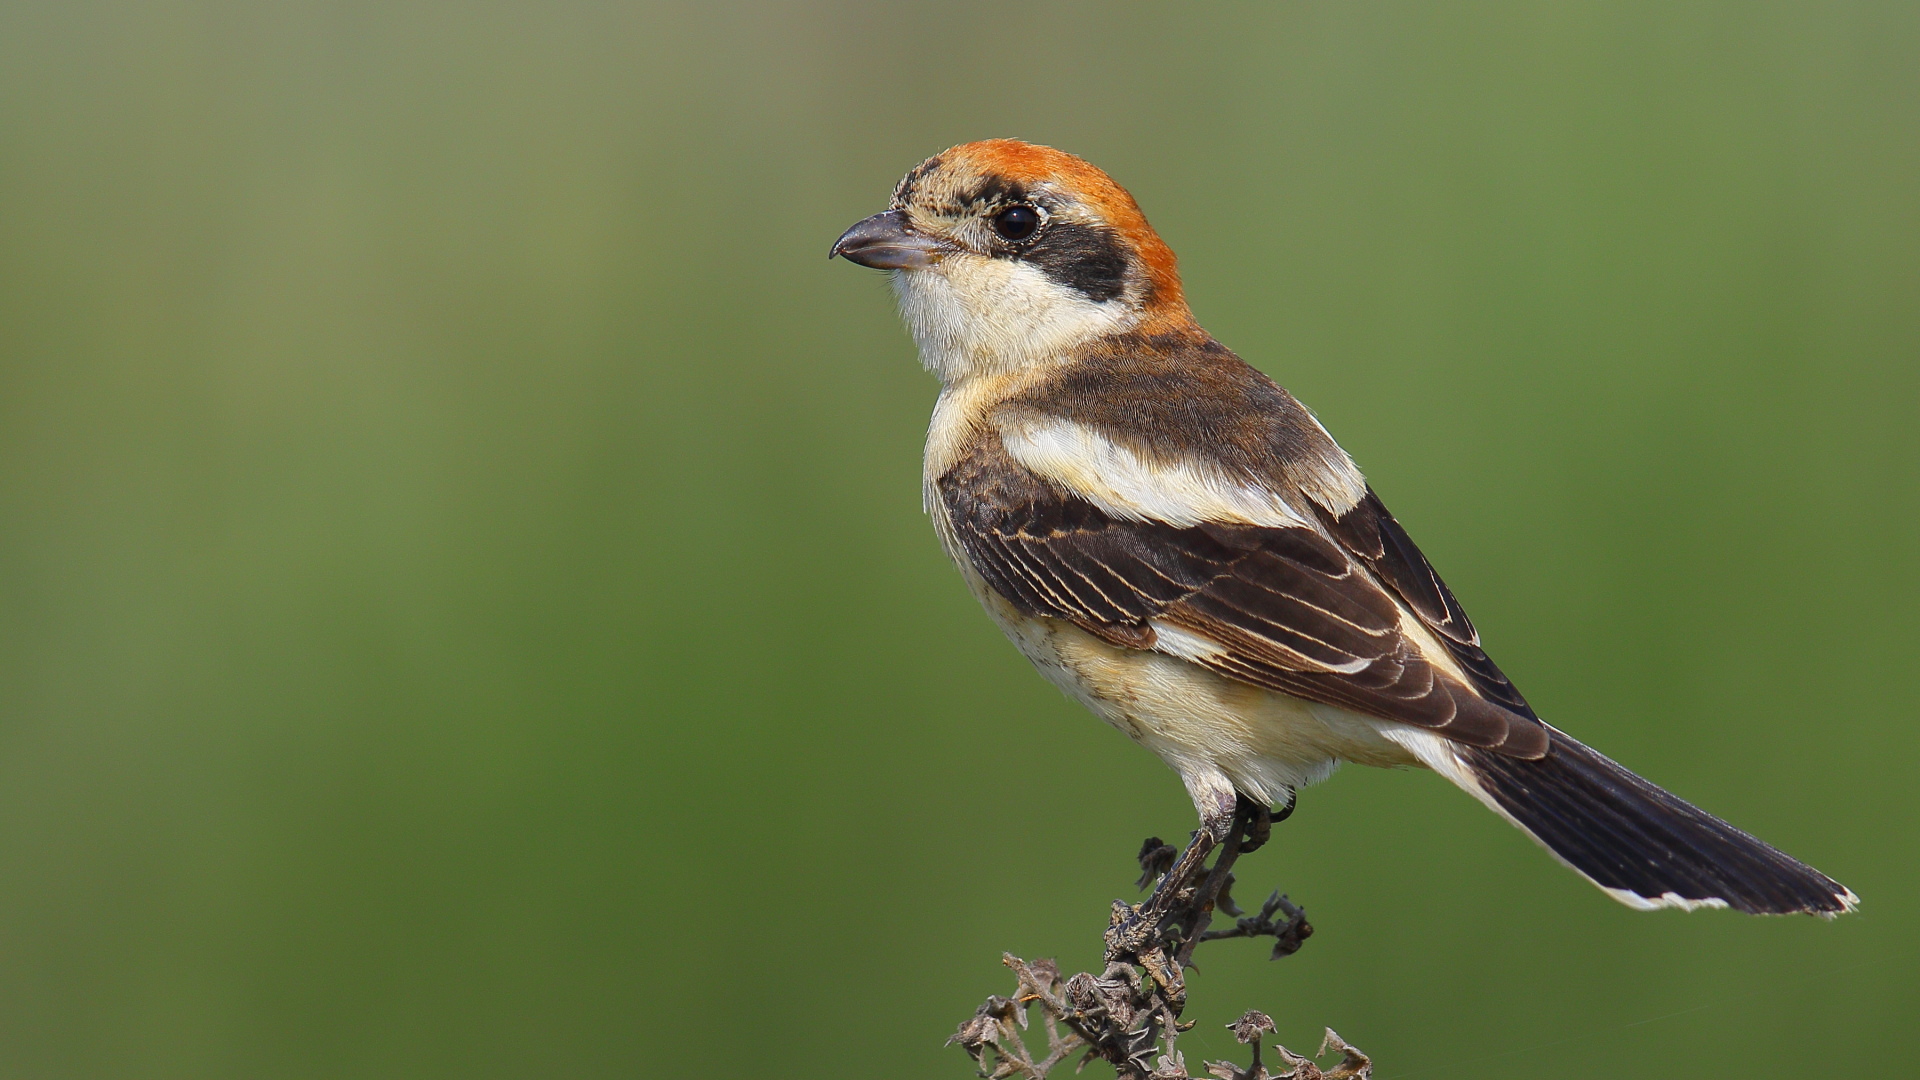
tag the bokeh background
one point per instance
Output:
(465, 609)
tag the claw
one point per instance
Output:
(1256, 823)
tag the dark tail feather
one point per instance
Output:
(1645, 846)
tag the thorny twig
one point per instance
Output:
(1129, 1014)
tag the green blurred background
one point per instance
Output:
(465, 609)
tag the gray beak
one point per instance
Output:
(886, 242)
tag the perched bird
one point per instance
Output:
(1178, 544)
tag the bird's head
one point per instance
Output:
(1007, 255)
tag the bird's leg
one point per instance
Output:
(1136, 930)
(1251, 827)
(1218, 825)
(1161, 934)
(1278, 918)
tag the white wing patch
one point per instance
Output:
(1129, 486)
(1185, 644)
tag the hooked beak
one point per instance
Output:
(885, 242)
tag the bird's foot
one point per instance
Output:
(1161, 932)
(1256, 821)
(1256, 833)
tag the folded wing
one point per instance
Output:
(1348, 613)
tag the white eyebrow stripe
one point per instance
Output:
(1128, 486)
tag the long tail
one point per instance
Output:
(1644, 846)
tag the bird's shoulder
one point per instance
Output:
(1152, 417)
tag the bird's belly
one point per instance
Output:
(1198, 721)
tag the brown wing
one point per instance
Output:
(1317, 615)
(1370, 534)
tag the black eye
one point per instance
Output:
(1016, 223)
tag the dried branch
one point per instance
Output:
(1129, 1014)
(1290, 932)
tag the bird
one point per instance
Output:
(1176, 542)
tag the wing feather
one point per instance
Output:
(1376, 539)
(1321, 613)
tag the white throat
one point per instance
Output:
(979, 316)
